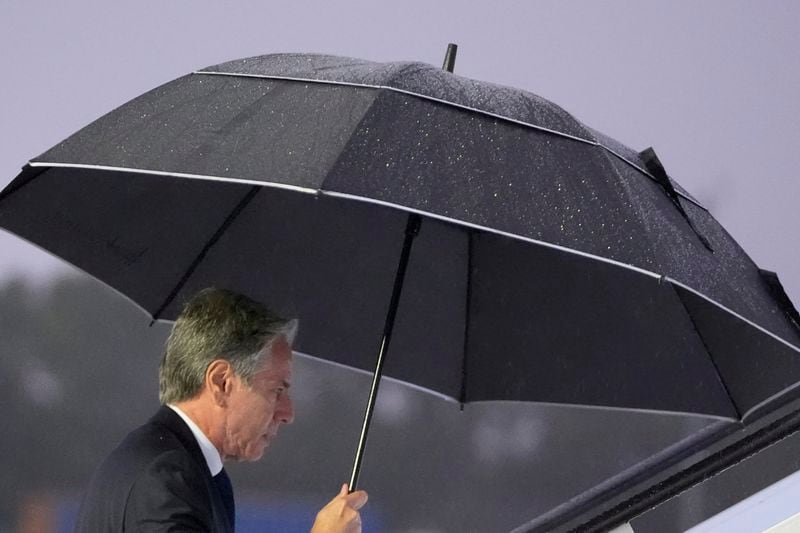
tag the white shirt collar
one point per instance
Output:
(210, 452)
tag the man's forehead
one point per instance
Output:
(282, 375)
(278, 363)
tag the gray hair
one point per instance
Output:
(218, 324)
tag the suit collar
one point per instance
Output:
(170, 420)
(210, 452)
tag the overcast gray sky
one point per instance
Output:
(712, 85)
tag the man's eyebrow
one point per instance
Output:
(286, 384)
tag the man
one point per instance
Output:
(224, 385)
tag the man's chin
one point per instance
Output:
(249, 458)
(258, 450)
(255, 457)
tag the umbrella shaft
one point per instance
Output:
(412, 228)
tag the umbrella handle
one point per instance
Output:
(412, 229)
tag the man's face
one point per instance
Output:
(256, 412)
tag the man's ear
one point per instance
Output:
(219, 381)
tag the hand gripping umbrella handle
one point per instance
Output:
(412, 229)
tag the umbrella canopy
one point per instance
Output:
(552, 263)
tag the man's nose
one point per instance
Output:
(285, 411)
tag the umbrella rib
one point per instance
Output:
(708, 351)
(412, 386)
(410, 93)
(211, 242)
(17, 185)
(744, 319)
(171, 174)
(463, 396)
(750, 323)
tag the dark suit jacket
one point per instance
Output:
(156, 480)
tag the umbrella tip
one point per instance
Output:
(450, 57)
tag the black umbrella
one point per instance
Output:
(549, 262)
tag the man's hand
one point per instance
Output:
(341, 513)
